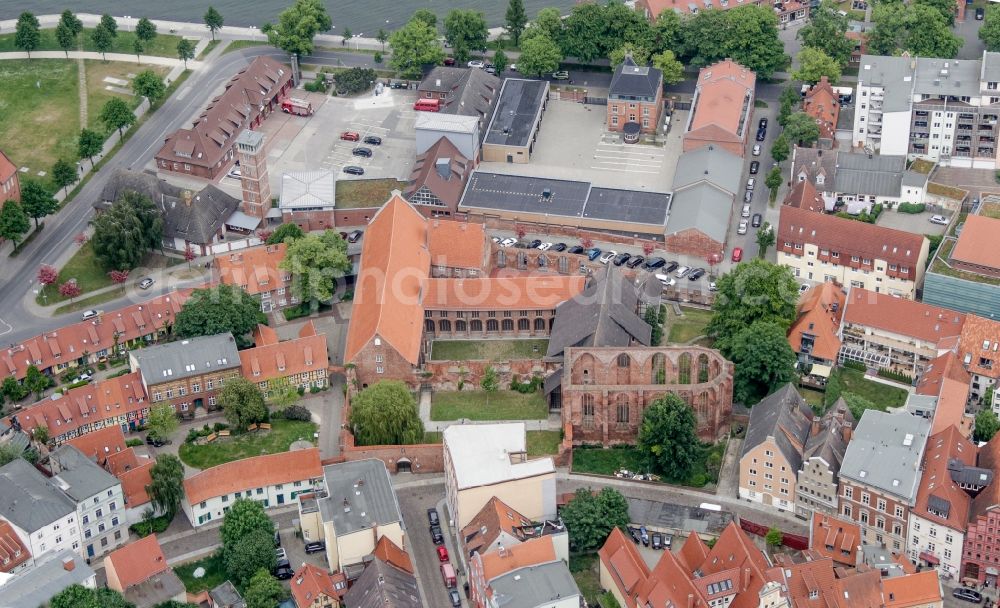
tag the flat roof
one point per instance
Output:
(516, 112)
(359, 496)
(485, 454)
(452, 123)
(566, 198)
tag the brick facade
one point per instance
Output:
(189, 394)
(377, 360)
(883, 518)
(694, 242)
(981, 554)
(605, 390)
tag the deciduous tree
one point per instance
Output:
(162, 420)
(584, 33)
(248, 555)
(780, 148)
(127, 231)
(217, 310)
(166, 487)
(549, 22)
(589, 518)
(47, 275)
(71, 21)
(110, 24)
(284, 233)
(64, 174)
(827, 31)
(539, 55)
(316, 261)
(814, 64)
(753, 291)
(78, 596)
(748, 34)
(773, 182)
(298, 25)
(989, 33)
(773, 538)
(465, 30)
(668, 437)
(69, 289)
(65, 37)
(35, 381)
(515, 20)
(89, 145)
(263, 591)
(27, 35)
(639, 54)
(245, 517)
(382, 36)
(138, 47)
(118, 276)
(346, 35)
(500, 61)
(763, 360)
(801, 129)
(148, 84)
(242, 403)
(115, 114)
(386, 414)
(413, 46)
(14, 221)
(489, 382)
(103, 39)
(9, 452)
(426, 16)
(917, 28)
(765, 239)
(13, 390)
(145, 30)
(987, 425)
(213, 20)
(37, 201)
(185, 51)
(666, 62)
(41, 434)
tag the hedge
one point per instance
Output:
(911, 208)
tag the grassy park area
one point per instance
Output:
(282, 434)
(164, 45)
(682, 329)
(845, 380)
(477, 405)
(39, 112)
(90, 276)
(493, 350)
(215, 573)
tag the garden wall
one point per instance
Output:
(445, 375)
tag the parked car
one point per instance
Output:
(938, 219)
(670, 267)
(667, 538)
(84, 377)
(455, 598)
(277, 539)
(635, 261)
(712, 286)
(737, 254)
(559, 247)
(762, 124)
(681, 271)
(746, 211)
(354, 236)
(350, 136)
(576, 249)
(449, 61)
(432, 517)
(621, 258)
(374, 140)
(696, 274)
(634, 533)
(442, 554)
(607, 257)
(751, 182)
(754, 167)
(155, 441)
(477, 63)
(362, 151)
(756, 220)
(354, 170)
(507, 242)
(593, 253)
(743, 227)
(545, 246)
(748, 196)
(397, 85)
(657, 541)
(969, 595)
(283, 571)
(490, 68)
(756, 150)
(512, 67)
(534, 243)
(436, 535)
(665, 280)
(761, 135)
(644, 535)
(654, 263)
(315, 547)
(146, 283)
(980, 13)
(234, 173)
(279, 554)
(89, 314)
(560, 75)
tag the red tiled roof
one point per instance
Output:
(102, 444)
(685, 6)
(134, 477)
(13, 553)
(254, 268)
(989, 497)
(977, 243)
(944, 368)
(425, 173)
(979, 346)
(823, 104)
(807, 582)
(819, 315)
(693, 552)
(104, 401)
(529, 553)
(390, 553)
(284, 359)
(803, 195)
(723, 90)
(944, 447)
(395, 263)
(901, 316)
(253, 472)
(457, 244)
(495, 517)
(7, 168)
(851, 238)
(919, 589)
(92, 336)
(138, 561)
(310, 583)
(831, 536)
(622, 560)
(510, 293)
(859, 590)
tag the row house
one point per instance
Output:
(788, 11)
(821, 247)
(257, 270)
(529, 574)
(981, 549)
(941, 513)
(819, 477)
(112, 402)
(14, 555)
(301, 361)
(272, 480)
(822, 103)
(903, 335)
(945, 386)
(107, 448)
(314, 587)
(189, 373)
(386, 580)
(107, 335)
(945, 110)
(880, 476)
(835, 538)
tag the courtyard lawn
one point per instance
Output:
(215, 573)
(282, 434)
(543, 443)
(607, 461)
(503, 405)
(680, 330)
(433, 436)
(39, 112)
(585, 572)
(360, 193)
(164, 45)
(98, 94)
(492, 350)
(814, 398)
(846, 380)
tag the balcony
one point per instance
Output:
(986, 152)
(920, 113)
(920, 123)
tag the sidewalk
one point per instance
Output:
(142, 60)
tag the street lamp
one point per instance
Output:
(127, 19)
(357, 41)
(253, 33)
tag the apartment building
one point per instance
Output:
(40, 584)
(635, 98)
(187, 373)
(855, 182)
(979, 349)
(531, 574)
(880, 476)
(819, 476)
(813, 335)
(821, 247)
(100, 503)
(895, 333)
(48, 522)
(256, 270)
(301, 361)
(945, 110)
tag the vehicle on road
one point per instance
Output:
(442, 554)
(436, 535)
(754, 167)
(644, 535)
(756, 149)
(294, 105)
(315, 547)
(696, 274)
(748, 196)
(354, 170)
(477, 63)
(671, 266)
(751, 182)
(427, 105)
(398, 85)
(968, 595)
(746, 211)
(634, 533)
(743, 227)
(154, 440)
(621, 258)
(762, 124)
(279, 554)
(938, 219)
(146, 283)
(455, 598)
(362, 151)
(234, 173)
(448, 576)
(761, 135)
(712, 286)
(277, 539)
(512, 67)
(282, 571)
(980, 14)
(373, 140)
(89, 314)
(432, 517)
(654, 263)
(607, 257)
(449, 61)
(756, 220)
(737, 254)
(560, 75)
(350, 136)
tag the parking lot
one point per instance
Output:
(573, 143)
(917, 223)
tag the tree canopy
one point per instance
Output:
(989, 33)
(64, 173)
(89, 145)
(166, 489)
(827, 31)
(919, 29)
(145, 30)
(162, 420)
(242, 403)
(185, 50)
(515, 19)
(78, 596)
(814, 64)
(244, 517)
(297, 26)
(385, 413)
(539, 55)
(263, 591)
(285, 232)
(413, 46)
(425, 16)
(801, 129)
(14, 221)
(115, 114)
(666, 62)
(27, 35)
(763, 360)
(747, 34)
(109, 24)
(102, 38)
(317, 261)
(127, 231)
(668, 437)
(987, 424)
(149, 84)
(465, 30)
(213, 20)
(219, 309)
(249, 554)
(753, 291)
(37, 201)
(591, 518)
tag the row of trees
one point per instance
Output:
(247, 535)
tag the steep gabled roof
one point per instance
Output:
(445, 181)
(819, 314)
(940, 499)
(495, 518)
(138, 561)
(785, 416)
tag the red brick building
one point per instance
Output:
(981, 553)
(10, 186)
(256, 270)
(207, 148)
(823, 104)
(788, 12)
(635, 97)
(722, 108)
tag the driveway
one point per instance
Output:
(414, 503)
(917, 223)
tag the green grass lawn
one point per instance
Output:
(680, 330)
(98, 95)
(90, 275)
(584, 569)
(433, 437)
(361, 193)
(39, 112)
(164, 45)
(813, 398)
(606, 461)
(543, 443)
(282, 434)
(85, 303)
(237, 45)
(215, 573)
(503, 405)
(208, 48)
(847, 380)
(492, 350)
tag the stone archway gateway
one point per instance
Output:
(403, 465)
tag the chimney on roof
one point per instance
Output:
(690, 600)
(68, 564)
(443, 168)
(186, 195)
(846, 431)
(814, 427)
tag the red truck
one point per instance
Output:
(448, 575)
(299, 107)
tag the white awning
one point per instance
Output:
(242, 221)
(273, 213)
(823, 371)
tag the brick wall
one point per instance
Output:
(445, 375)
(694, 242)
(310, 220)
(349, 218)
